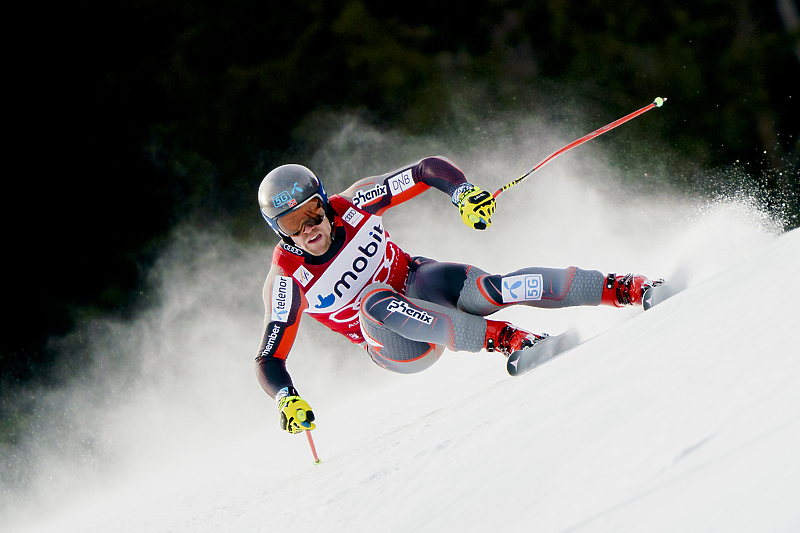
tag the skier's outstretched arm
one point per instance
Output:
(378, 193)
(284, 303)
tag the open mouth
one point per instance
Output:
(314, 239)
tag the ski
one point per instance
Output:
(523, 361)
(659, 292)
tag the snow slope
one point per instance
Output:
(684, 418)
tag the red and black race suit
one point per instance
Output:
(330, 287)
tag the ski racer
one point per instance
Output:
(337, 263)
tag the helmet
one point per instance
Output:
(284, 189)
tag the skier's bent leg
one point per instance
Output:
(420, 320)
(396, 353)
(408, 335)
(534, 286)
(484, 294)
(387, 348)
(472, 290)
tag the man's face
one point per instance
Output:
(315, 239)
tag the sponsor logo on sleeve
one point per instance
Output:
(399, 306)
(281, 298)
(370, 195)
(303, 275)
(522, 288)
(401, 182)
(352, 217)
(271, 338)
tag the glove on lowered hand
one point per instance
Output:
(296, 414)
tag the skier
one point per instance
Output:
(337, 263)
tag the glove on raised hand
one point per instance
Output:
(296, 414)
(475, 205)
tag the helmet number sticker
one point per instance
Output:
(283, 198)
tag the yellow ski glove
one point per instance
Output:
(475, 205)
(296, 414)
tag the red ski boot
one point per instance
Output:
(620, 291)
(507, 338)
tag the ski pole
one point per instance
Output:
(313, 448)
(658, 102)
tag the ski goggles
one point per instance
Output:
(309, 213)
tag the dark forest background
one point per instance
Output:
(130, 117)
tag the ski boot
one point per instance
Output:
(620, 291)
(506, 338)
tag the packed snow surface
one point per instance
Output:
(682, 418)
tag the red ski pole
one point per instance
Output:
(657, 103)
(313, 448)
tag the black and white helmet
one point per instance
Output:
(284, 189)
